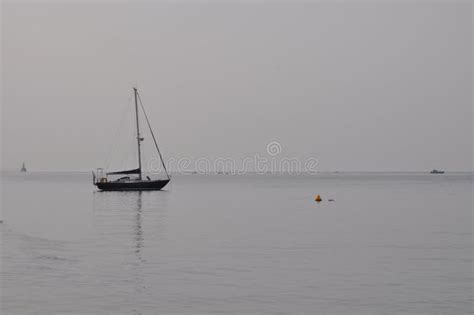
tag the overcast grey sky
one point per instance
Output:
(374, 86)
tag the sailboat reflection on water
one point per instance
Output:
(101, 180)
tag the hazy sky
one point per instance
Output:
(374, 86)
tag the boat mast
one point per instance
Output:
(138, 136)
(153, 136)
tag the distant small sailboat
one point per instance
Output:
(23, 168)
(435, 171)
(127, 183)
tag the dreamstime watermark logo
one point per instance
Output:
(273, 148)
(273, 162)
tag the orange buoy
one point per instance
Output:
(318, 198)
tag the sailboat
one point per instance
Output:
(23, 168)
(101, 180)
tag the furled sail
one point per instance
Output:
(135, 171)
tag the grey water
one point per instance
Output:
(246, 244)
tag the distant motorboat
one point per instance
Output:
(23, 168)
(102, 181)
(435, 171)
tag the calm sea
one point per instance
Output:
(250, 244)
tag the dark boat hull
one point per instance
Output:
(133, 185)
